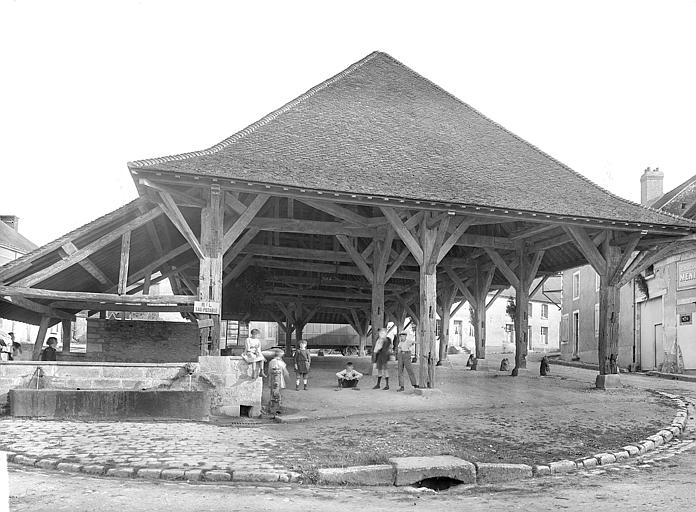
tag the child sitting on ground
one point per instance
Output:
(302, 360)
(348, 377)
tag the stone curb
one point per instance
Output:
(665, 435)
(399, 471)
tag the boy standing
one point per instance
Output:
(302, 360)
(49, 353)
(348, 377)
(403, 355)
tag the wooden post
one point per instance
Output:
(289, 328)
(40, 338)
(609, 308)
(482, 283)
(521, 313)
(378, 273)
(210, 271)
(428, 304)
(446, 301)
(147, 281)
(123, 267)
(67, 335)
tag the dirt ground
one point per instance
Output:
(480, 416)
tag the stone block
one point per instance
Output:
(620, 455)
(427, 392)
(218, 476)
(648, 445)
(608, 381)
(562, 466)
(47, 463)
(666, 434)
(492, 473)
(69, 467)
(291, 418)
(150, 473)
(657, 439)
(410, 470)
(25, 460)
(631, 450)
(675, 430)
(589, 463)
(93, 469)
(605, 458)
(382, 474)
(255, 476)
(540, 470)
(173, 474)
(193, 474)
(121, 472)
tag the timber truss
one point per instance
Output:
(289, 255)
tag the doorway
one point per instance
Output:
(576, 334)
(651, 334)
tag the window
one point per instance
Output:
(509, 327)
(545, 335)
(530, 309)
(564, 329)
(576, 285)
(596, 321)
(545, 311)
(596, 282)
(650, 271)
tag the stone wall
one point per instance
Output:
(226, 379)
(141, 341)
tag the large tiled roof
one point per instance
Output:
(11, 239)
(379, 128)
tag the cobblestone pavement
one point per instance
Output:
(141, 445)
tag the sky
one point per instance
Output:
(606, 87)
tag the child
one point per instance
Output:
(278, 372)
(348, 377)
(49, 353)
(381, 355)
(302, 360)
(252, 354)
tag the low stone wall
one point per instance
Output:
(109, 404)
(227, 379)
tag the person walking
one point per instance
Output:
(403, 356)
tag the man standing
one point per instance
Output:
(403, 354)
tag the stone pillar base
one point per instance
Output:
(608, 381)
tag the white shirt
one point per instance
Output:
(406, 344)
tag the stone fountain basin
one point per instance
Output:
(111, 404)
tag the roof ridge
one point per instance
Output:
(261, 122)
(584, 178)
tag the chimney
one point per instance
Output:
(11, 220)
(651, 185)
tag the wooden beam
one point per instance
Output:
(550, 243)
(123, 266)
(184, 198)
(495, 296)
(587, 247)
(536, 230)
(356, 257)
(333, 304)
(331, 294)
(240, 245)
(86, 251)
(37, 307)
(69, 248)
(494, 242)
(237, 270)
(461, 285)
(454, 238)
(162, 260)
(295, 253)
(503, 267)
(537, 257)
(153, 234)
(312, 227)
(37, 293)
(440, 233)
(40, 338)
(12, 268)
(177, 218)
(234, 203)
(337, 211)
(406, 237)
(243, 221)
(102, 306)
(627, 253)
(323, 268)
(539, 285)
(405, 252)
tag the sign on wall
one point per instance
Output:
(207, 308)
(686, 274)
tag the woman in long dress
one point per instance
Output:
(252, 354)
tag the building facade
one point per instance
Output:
(656, 322)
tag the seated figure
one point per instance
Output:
(348, 377)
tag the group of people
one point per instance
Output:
(12, 351)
